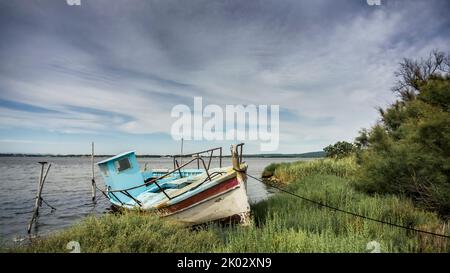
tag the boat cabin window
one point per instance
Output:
(104, 170)
(123, 165)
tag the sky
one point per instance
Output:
(111, 71)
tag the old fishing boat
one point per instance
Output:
(191, 196)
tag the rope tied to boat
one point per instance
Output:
(345, 211)
(102, 191)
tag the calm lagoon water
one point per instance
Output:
(68, 189)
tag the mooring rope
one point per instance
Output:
(45, 202)
(345, 211)
(102, 191)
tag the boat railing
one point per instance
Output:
(197, 155)
(210, 154)
(239, 148)
(177, 168)
(155, 180)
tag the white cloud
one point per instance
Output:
(335, 69)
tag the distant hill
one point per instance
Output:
(303, 155)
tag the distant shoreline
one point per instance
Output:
(302, 155)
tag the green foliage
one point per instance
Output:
(362, 140)
(308, 167)
(339, 150)
(291, 224)
(270, 169)
(327, 230)
(283, 173)
(128, 232)
(281, 223)
(408, 152)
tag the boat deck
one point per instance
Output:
(179, 189)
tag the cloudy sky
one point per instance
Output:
(111, 71)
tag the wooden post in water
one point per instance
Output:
(38, 201)
(93, 174)
(41, 176)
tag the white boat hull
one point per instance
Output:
(229, 204)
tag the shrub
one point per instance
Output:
(408, 151)
(339, 150)
(285, 173)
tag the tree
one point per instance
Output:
(339, 149)
(362, 140)
(408, 151)
(412, 74)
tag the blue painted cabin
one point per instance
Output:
(122, 172)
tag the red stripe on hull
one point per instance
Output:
(217, 189)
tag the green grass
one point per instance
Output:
(323, 230)
(127, 232)
(282, 223)
(284, 173)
